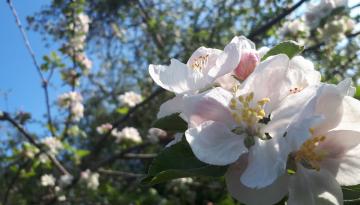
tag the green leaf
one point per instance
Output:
(290, 48)
(171, 123)
(178, 161)
(122, 110)
(357, 93)
(351, 194)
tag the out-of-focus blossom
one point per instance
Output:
(104, 128)
(53, 144)
(90, 178)
(155, 133)
(47, 180)
(316, 12)
(72, 100)
(127, 133)
(66, 179)
(130, 98)
(294, 27)
(84, 62)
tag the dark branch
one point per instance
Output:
(277, 19)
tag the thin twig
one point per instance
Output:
(120, 173)
(317, 46)
(44, 82)
(6, 117)
(277, 19)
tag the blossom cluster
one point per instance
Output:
(319, 18)
(73, 101)
(130, 98)
(280, 131)
(127, 133)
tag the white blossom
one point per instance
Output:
(130, 98)
(155, 133)
(127, 133)
(66, 179)
(47, 180)
(90, 178)
(72, 100)
(53, 144)
(104, 128)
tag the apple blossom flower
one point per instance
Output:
(53, 144)
(293, 27)
(130, 98)
(316, 12)
(104, 128)
(84, 62)
(47, 180)
(90, 178)
(155, 133)
(127, 133)
(203, 67)
(66, 179)
(72, 100)
(249, 60)
(225, 125)
(323, 144)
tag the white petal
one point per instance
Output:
(346, 88)
(213, 143)
(268, 81)
(312, 187)
(174, 105)
(351, 115)
(302, 73)
(329, 105)
(262, 51)
(227, 81)
(178, 78)
(230, 58)
(342, 159)
(212, 55)
(210, 105)
(268, 195)
(266, 164)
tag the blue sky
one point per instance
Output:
(20, 87)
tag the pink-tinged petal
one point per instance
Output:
(268, 81)
(342, 156)
(266, 164)
(312, 187)
(204, 57)
(174, 105)
(210, 105)
(178, 78)
(268, 195)
(351, 115)
(230, 58)
(249, 60)
(213, 143)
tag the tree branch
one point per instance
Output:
(44, 82)
(277, 19)
(6, 117)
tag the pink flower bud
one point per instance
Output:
(248, 62)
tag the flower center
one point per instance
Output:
(308, 155)
(295, 90)
(200, 62)
(244, 113)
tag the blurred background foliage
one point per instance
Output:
(123, 38)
